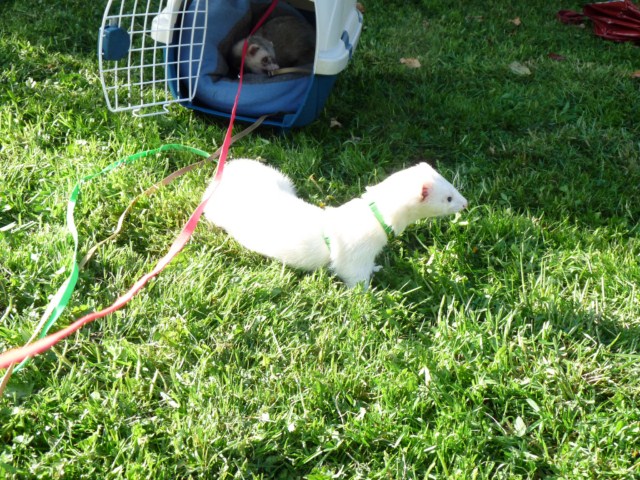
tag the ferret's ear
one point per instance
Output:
(426, 187)
(253, 49)
(425, 191)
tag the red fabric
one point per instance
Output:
(618, 21)
(570, 17)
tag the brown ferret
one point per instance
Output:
(261, 57)
(282, 42)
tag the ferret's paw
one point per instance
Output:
(377, 268)
(365, 284)
(358, 281)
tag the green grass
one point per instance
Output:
(503, 344)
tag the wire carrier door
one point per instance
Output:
(132, 55)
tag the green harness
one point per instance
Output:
(376, 213)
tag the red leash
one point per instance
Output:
(16, 355)
(227, 138)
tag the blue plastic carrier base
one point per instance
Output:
(293, 100)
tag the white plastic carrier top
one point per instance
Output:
(134, 37)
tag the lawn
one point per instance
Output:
(500, 343)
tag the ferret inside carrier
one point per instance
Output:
(181, 51)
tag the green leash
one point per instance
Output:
(60, 300)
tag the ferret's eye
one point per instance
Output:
(265, 61)
(449, 198)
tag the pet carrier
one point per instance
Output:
(178, 51)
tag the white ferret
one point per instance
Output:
(257, 205)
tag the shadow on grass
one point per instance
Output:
(504, 262)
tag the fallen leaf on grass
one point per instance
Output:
(519, 427)
(411, 62)
(636, 74)
(519, 69)
(556, 56)
(516, 21)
